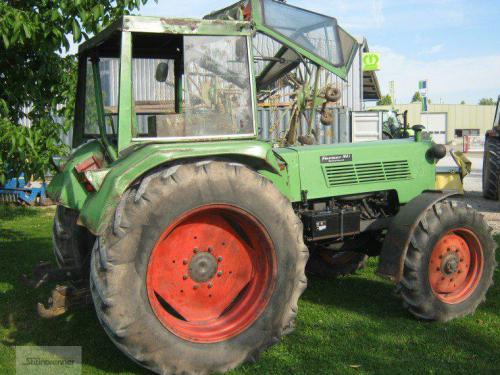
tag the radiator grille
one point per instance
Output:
(349, 174)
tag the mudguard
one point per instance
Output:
(393, 253)
(99, 206)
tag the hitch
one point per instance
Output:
(63, 297)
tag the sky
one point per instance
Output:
(454, 44)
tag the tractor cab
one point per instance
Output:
(147, 79)
(151, 79)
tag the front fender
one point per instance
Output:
(401, 228)
(100, 205)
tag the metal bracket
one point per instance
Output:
(63, 297)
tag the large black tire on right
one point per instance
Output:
(71, 243)
(120, 266)
(491, 168)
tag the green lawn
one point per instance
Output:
(350, 325)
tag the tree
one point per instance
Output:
(487, 101)
(35, 75)
(462, 102)
(416, 97)
(385, 100)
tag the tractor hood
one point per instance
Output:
(335, 170)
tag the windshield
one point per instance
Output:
(206, 93)
(317, 33)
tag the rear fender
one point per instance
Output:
(101, 205)
(400, 231)
(66, 188)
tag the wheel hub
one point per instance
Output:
(455, 265)
(202, 267)
(449, 265)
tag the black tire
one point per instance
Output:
(415, 285)
(72, 243)
(335, 264)
(491, 169)
(120, 262)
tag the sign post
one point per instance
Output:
(422, 88)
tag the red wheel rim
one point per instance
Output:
(211, 273)
(456, 265)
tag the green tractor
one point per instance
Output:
(491, 161)
(193, 234)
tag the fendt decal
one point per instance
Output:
(335, 158)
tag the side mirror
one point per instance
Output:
(161, 74)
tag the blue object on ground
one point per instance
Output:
(18, 191)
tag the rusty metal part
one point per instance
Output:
(203, 267)
(326, 115)
(45, 272)
(62, 299)
(401, 228)
(332, 93)
(306, 139)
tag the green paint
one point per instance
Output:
(65, 187)
(375, 166)
(125, 111)
(110, 151)
(99, 207)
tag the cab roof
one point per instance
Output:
(140, 24)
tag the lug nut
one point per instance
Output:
(196, 286)
(185, 277)
(210, 285)
(210, 249)
(196, 250)
(184, 261)
(219, 273)
(219, 259)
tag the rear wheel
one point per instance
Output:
(201, 269)
(72, 243)
(449, 264)
(491, 168)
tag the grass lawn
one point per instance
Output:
(350, 325)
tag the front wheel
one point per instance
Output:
(201, 269)
(449, 264)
